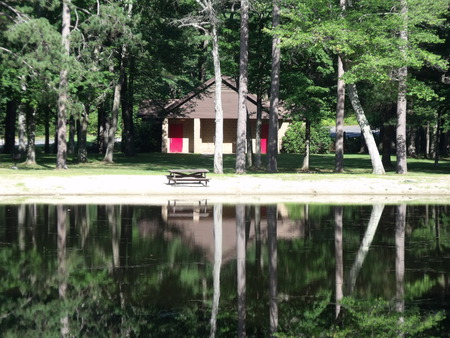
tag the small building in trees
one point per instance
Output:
(189, 122)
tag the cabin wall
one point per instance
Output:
(198, 135)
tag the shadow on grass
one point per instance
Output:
(145, 163)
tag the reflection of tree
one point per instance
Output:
(62, 266)
(21, 214)
(273, 264)
(161, 294)
(364, 247)
(400, 221)
(240, 262)
(339, 254)
(217, 266)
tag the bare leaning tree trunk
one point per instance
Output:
(61, 154)
(377, 164)
(242, 96)
(272, 151)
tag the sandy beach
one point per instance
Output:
(154, 189)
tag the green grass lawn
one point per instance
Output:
(157, 163)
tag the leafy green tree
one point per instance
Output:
(295, 140)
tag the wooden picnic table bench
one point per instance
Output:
(188, 176)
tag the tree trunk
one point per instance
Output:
(412, 150)
(218, 141)
(31, 135)
(72, 131)
(340, 109)
(82, 135)
(22, 130)
(128, 147)
(109, 154)
(272, 148)
(61, 154)
(249, 153)
(10, 127)
(258, 132)
(437, 138)
(241, 138)
(47, 130)
(427, 140)
(377, 165)
(305, 166)
(101, 128)
(387, 137)
(401, 98)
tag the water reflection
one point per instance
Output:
(194, 269)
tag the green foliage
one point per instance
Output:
(294, 139)
(378, 318)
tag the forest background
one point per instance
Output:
(71, 70)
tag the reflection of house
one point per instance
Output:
(190, 123)
(195, 224)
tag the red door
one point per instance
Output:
(264, 137)
(175, 138)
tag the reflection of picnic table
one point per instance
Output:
(188, 176)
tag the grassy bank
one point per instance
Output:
(157, 163)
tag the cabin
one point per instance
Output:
(189, 125)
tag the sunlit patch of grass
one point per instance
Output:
(158, 163)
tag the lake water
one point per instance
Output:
(192, 269)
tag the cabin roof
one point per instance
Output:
(200, 103)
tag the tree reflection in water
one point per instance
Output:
(193, 269)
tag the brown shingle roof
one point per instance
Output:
(200, 103)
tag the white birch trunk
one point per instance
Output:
(218, 141)
(377, 164)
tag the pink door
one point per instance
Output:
(264, 137)
(175, 138)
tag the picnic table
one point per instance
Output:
(188, 176)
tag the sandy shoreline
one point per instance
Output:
(153, 189)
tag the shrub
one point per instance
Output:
(294, 139)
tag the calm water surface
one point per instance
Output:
(196, 270)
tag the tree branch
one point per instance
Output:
(15, 55)
(22, 17)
